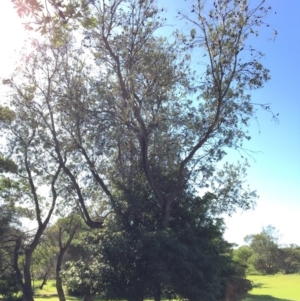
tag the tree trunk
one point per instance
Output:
(27, 286)
(19, 276)
(23, 281)
(59, 288)
(60, 257)
(88, 297)
(44, 280)
(27, 293)
(166, 213)
(60, 291)
(157, 295)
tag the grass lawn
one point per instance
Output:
(275, 288)
(48, 289)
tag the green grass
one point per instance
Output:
(48, 289)
(275, 288)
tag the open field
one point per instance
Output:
(275, 288)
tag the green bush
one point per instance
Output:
(8, 287)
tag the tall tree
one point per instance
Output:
(127, 107)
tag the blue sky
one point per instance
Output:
(275, 169)
(275, 172)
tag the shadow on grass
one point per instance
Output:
(251, 297)
(45, 296)
(258, 285)
(54, 296)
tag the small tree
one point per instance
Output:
(243, 256)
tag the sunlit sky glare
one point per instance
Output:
(275, 169)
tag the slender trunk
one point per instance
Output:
(19, 276)
(59, 288)
(166, 213)
(88, 297)
(60, 257)
(44, 280)
(157, 296)
(136, 298)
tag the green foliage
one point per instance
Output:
(6, 115)
(7, 165)
(66, 15)
(9, 289)
(290, 259)
(244, 256)
(82, 278)
(8, 284)
(133, 259)
(266, 250)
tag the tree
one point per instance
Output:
(266, 250)
(290, 259)
(127, 108)
(32, 169)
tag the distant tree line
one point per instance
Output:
(263, 254)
